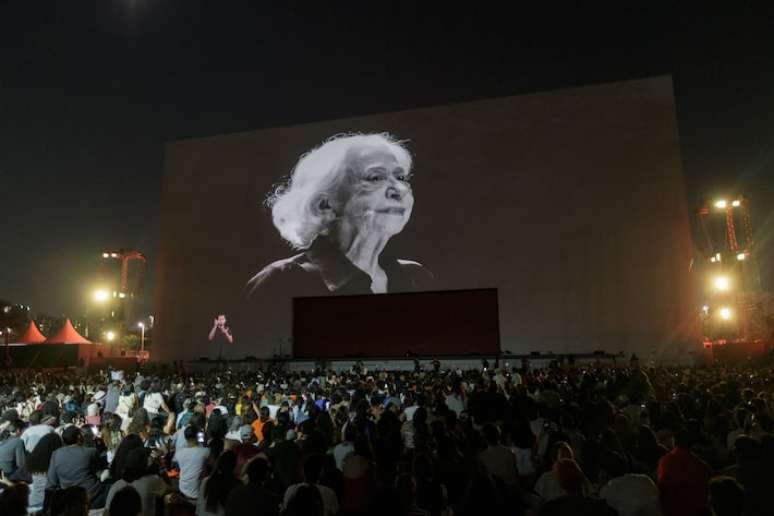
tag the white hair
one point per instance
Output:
(319, 173)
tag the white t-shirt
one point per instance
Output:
(455, 403)
(191, 460)
(500, 462)
(524, 460)
(329, 499)
(152, 403)
(340, 453)
(148, 487)
(632, 495)
(33, 434)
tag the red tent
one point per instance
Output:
(67, 335)
(31, 335)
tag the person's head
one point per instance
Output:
(313, 466)
(35, 417)
(72, 435)
(561, 450)
(258, 471)
(306, 501)
(220, 320)
(73, 501)
(358, 180)
(221, 481)
(14, 500)
(684, 439)
(726, 497)
(350, 433)
(12, 428)
(265, 413)
(491, 434)
(126, 502)
(136, 464)
(611, 465)
(190, 433)
(569, 476)
(40, 457)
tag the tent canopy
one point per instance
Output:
(67, 335)
(31, 335)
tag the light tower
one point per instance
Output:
(121, 286)
(733, 306)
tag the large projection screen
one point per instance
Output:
(571, 203)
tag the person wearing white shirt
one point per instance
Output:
(192, 459)
(36, 430)
(632, 495)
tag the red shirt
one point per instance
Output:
(683, 480)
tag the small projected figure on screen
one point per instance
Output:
(343, 203)
(220, 334)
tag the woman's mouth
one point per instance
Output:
(392, 211)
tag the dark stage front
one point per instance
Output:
(453, 322)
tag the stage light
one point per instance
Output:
(705, 309)
(725, 313)
(110, 336)
(736, 203)
(114, 255)
(713, 259)
(121, 295)
(105, 255)
(100, 295)
(722, 283)
(140, 325)
(721, 203)
(741, 257)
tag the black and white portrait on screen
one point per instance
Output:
(343, 202)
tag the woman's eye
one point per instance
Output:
(374, 178)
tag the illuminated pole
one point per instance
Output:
(142, 336)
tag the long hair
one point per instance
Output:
(130, 442)
(319, 173)
(40, 457)
(221, 482)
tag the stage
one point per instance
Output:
(409, 363)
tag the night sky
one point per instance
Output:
(90, 91)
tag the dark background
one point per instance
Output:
(89, 91)
(570, 202)
(458, 322)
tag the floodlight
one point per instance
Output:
(722, 283)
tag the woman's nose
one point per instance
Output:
(396, 190)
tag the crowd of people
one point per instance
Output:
(571, 439)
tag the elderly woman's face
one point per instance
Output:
(377, 195)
